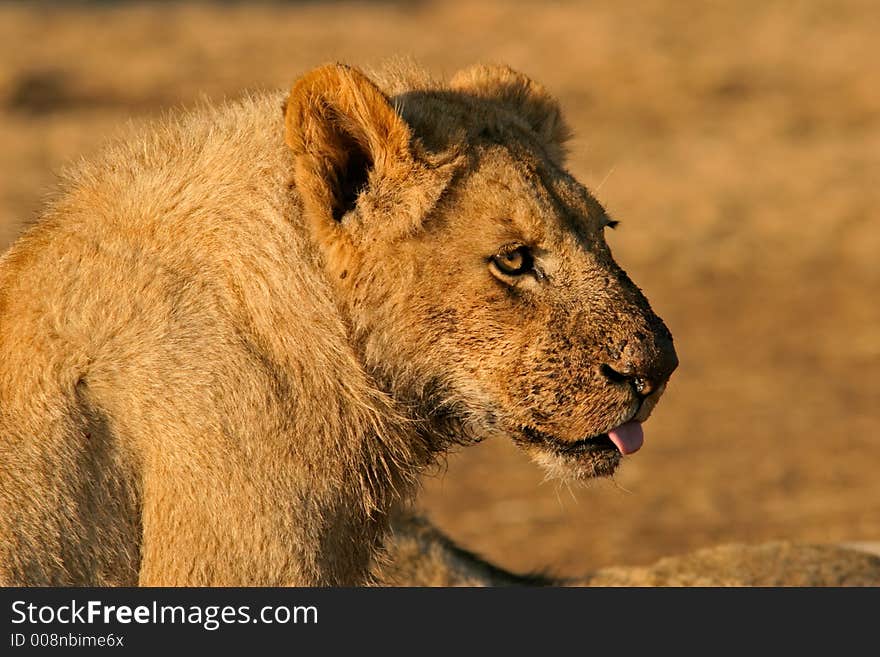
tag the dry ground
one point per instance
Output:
(739, 145)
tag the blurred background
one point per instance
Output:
(738, 143)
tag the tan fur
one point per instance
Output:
(234, 341)
(418, 554)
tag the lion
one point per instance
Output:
(233, 343)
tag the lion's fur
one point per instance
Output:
(416, 553)
(207, 377)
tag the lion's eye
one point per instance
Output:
(514, 263)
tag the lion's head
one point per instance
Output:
(472, 267)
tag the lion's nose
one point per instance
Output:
(643, 385)
(646, 367)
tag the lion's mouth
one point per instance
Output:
(600, 443)
(596, 456)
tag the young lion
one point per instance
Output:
(231, 345)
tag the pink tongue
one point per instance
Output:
(628, 437)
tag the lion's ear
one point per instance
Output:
(522, 95)
(343, 131)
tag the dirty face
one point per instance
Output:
(527, 322)
(501, 311)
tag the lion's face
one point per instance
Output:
(501, 310)
(517, 310)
